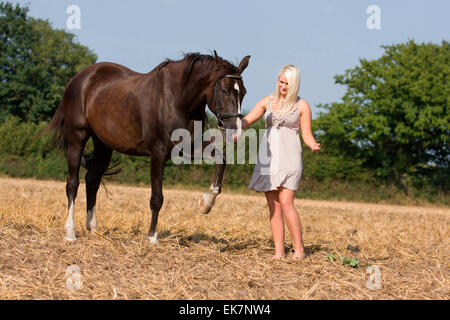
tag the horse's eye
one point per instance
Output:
(224, 91)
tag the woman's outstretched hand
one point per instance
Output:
(315, 147)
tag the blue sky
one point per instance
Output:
(323, 38)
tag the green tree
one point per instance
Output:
(36, 62)
(394, 116)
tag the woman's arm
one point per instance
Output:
(257, 112)
(305, 125)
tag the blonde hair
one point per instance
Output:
(292, 74)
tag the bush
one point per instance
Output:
(325, 176)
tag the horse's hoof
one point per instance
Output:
(153, 239)
(201, 206)
(70, 238)
(92, 229)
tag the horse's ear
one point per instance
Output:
(243, 64)
(216, 56)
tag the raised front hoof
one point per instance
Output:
(202, 207)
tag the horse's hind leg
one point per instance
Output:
(75, 149)
(96, 168)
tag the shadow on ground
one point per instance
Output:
(224, 245)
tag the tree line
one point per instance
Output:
(387, 138)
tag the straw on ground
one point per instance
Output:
(223, 255)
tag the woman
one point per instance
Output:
(279, 166)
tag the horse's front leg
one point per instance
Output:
(206, 202)
(157, 199)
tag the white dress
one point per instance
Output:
(279, 160)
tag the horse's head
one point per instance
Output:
(226, 95)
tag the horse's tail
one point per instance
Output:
(56, 128)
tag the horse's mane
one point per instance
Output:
(205, 65)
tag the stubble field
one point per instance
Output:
(223, 255)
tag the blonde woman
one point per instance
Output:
(279, 166)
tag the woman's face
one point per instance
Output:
(283, 84)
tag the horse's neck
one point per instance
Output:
(194, 99)
(190, 98)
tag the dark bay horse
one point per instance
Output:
(135, 113)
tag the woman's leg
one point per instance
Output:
(276, 222)
(290, 214)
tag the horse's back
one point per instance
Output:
(93, 77)
(108, 71)
(102, 98)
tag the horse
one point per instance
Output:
(134, 113)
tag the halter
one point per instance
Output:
(220, 116)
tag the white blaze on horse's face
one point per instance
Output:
(238, 131)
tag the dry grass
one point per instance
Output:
(224, 255)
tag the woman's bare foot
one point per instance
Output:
(299, 256)
(278, 257)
